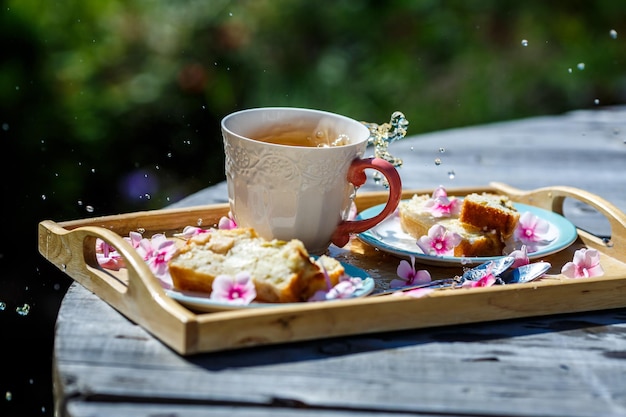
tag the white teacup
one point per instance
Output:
(292, 174)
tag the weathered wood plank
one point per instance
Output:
(200, 410)
(520, 367)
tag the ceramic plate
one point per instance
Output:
(389, 237)
(202, 302)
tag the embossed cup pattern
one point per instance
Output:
(293, 192)
(287, 192)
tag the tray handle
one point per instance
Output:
(140, 297)
(552, 198)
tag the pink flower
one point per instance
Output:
(239, 290)
(227, 222)
(520, 256)
(107, 256)
(586, 263)
(441, 206)
(409, 276)
(531, 230)
(345, 288)
(439, 241)
(157, 252)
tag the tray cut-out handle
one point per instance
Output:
(552, 198)
(74, 252)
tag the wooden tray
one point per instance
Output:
(136, 293)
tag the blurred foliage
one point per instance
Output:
(116, 105)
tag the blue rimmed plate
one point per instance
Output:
(202, 302)
(389, 237)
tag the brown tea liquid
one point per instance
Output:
(314, 136)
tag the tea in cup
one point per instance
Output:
(293, 173)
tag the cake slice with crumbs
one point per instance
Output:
(484, 221)
(490, 213)
(282, 271)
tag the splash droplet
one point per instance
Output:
(381, 136)
(596, 101)
(524, 42)
(613, 33)
(23, 310)
(451, 175)
(437, 161)
(89, 209)
(580, 66)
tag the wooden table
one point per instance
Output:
(565, 365)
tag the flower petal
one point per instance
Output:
(238, 290)
(520, 256)
(416, 293)
(586, 263)
(569, 270)
(398, 283)
(405, 270)
(422, 277)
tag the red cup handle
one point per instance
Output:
(356, 175)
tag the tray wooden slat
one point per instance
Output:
(136, 293)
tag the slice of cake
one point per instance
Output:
(415, 218)
(474, 242)
(484, 221)
(282, 271)
(422, 211)
(490, 213)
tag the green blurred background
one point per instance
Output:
(114, 106)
